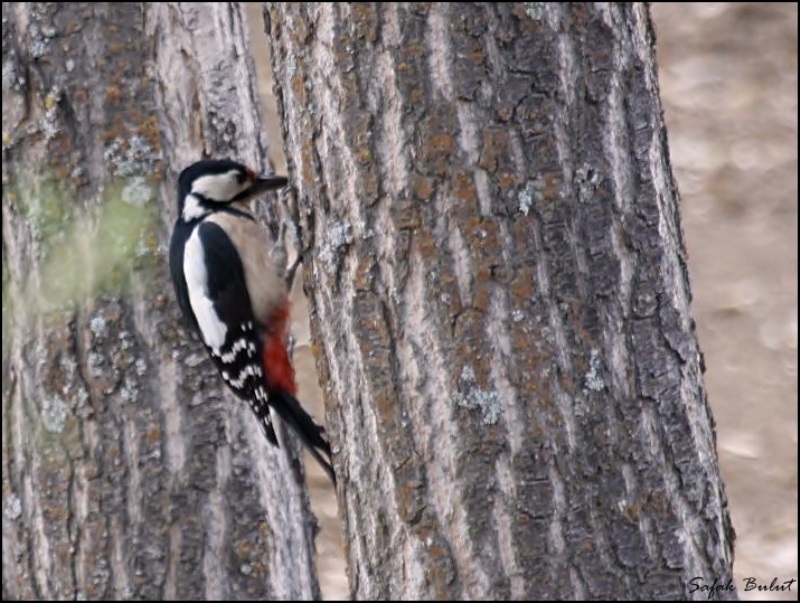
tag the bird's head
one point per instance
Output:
(211, 182)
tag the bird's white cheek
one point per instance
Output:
(219, 187)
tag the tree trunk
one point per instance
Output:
(128, 470)
(500, 300)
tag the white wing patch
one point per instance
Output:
(212, 328)
(219, 187)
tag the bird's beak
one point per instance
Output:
(261, 185)
(269, 183)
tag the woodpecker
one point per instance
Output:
(235, 295)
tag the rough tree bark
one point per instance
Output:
(128, 472)
(500, 300)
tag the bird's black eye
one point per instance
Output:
(241, 176)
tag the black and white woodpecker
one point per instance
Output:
(235, 295)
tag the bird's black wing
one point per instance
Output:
(238, 358)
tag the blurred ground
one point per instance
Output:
(728, 76)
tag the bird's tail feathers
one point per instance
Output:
(311, 434)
